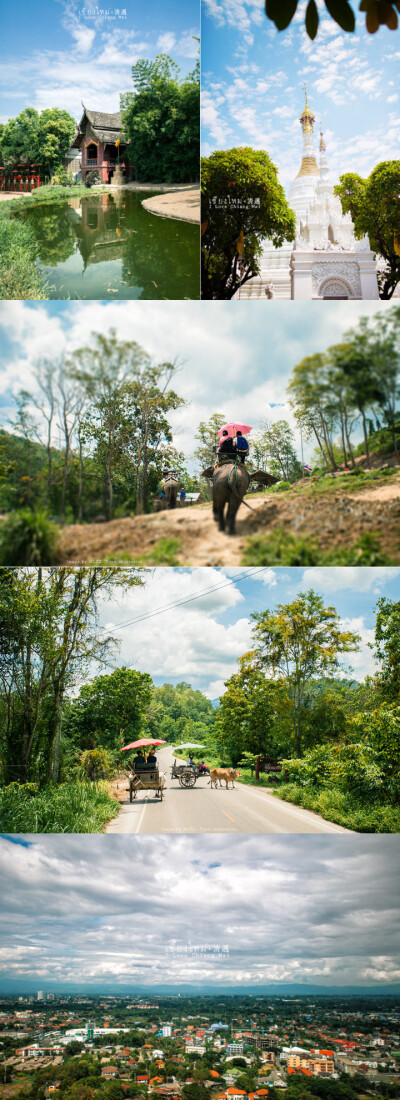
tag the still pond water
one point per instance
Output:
(108, 246)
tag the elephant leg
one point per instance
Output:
(231, 517)
(221, 519)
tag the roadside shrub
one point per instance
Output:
(29, 538)
(280, 548)
(281, 487)
(94, 764)
(68, 808)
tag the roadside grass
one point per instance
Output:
(283, 548)
(343, 808)
(68, 808)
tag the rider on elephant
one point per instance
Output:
(233, 447)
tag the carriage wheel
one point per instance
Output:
(187, 779)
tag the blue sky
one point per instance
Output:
(233, 361)
(213, 630)
(57, 54)
(253, 77)
(74, 915)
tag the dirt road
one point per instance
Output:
(333, 520)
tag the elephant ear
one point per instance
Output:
(263, 478)
(208, 472)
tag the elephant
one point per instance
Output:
(230, 482)
(170, 488)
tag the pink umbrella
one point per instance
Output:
(140, 744)
(233, 428)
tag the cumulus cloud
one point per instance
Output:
(77, 915)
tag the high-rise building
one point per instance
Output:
(41, 995)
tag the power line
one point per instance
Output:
(188, 599)
(245, 575)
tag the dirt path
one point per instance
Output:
(333, 520)
(184, 206)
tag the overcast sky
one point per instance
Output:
(253, 79)
(201, 640)
(115, 911)
(59, 53)
(236, 361)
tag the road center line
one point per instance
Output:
(228, 815)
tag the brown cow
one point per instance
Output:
(228, 774)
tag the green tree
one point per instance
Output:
(387, 641)
(129, 401)
(37, 139)
(374, 205)
(242, 204)
(55, 639)
(161, 121)
(248, 712)
(207, 441)
(273, 446)
(109, 709)
(299, 641)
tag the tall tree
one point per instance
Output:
(129, 401)
(206, 437)
(299, 641)
(56, 615)
(161, 121)
(273, 446)
(246, 719)
(242, 204)
(374, 205)
(387, 640)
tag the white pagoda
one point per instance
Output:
(325, 261)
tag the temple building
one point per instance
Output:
(325, 261)
(99, 139)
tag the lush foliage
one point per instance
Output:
(161, 121)
(34, 138)
(242, 203)
(374, 205)
(357, 380)
(48, 638)
(68, 808)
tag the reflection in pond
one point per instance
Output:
(108, 245)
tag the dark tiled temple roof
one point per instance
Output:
(106, 126)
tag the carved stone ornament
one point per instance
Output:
(343, 276)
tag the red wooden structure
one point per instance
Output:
(21, 177)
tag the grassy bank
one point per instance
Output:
(54, 193)
(283, 548)
(19, 277)
(68, 808)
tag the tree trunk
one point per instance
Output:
(364, 423)
(55, 730)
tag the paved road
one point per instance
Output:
(203, 809)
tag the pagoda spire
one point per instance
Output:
(309, 166)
